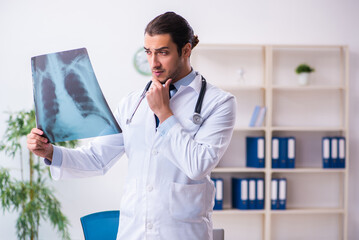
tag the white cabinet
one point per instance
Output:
(265, 75)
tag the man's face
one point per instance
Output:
(163, 57)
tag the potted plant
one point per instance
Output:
(29, 196)
(303, 71)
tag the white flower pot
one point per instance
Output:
(303, 79)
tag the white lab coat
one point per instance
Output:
(168, 193)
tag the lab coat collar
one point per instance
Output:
(186, 80)
(195, 84)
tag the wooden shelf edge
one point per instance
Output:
(237, 211)
(245, 129)
(308, 170)
(308, 88)
(291, 129)
(238, 88)
(278, 46)
(281, 212)
(278, 170)
(309, 211)
(237, 169)
(308, 129)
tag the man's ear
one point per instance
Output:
(186, 50)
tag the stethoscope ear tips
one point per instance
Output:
(197, 119)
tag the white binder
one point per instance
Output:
(274, 193)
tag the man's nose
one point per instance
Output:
(154, 61)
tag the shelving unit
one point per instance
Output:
(317, 198)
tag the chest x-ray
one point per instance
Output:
(69, 103)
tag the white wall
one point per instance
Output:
(113, 30)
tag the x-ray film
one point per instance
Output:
(69, 103)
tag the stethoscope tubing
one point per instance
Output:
(129, 120)
(199, 103)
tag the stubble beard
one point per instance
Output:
(174, 75)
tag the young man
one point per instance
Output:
(168, 192)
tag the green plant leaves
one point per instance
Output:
(304, 68)
(32, 198)
(18, 125)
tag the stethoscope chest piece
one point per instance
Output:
(197, 118)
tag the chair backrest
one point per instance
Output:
(101, 225)
(218, 234)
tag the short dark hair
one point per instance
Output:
(175, 25)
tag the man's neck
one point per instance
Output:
(185, 81)
(184, 73)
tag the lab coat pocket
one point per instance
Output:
(188, 202)
(129, 199)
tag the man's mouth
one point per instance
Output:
(157, 73)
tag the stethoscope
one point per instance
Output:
(196, 118)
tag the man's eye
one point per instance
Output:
(163, 53)
(148, 52)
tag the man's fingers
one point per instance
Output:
(168, 83)
(155, 81)
(34, 146)
(37, 131)
(156, 85)
(37, 145)
(42, 139)
(36, 137)
(31, 140)
(37, 134)
(36, 141)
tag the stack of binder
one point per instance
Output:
(255, 151)
(248, 193)
(333, 152)
(218, 197)
(283, 152)
(278, 193)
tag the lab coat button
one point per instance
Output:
(154, 152)
(149, 188)
(149, 225)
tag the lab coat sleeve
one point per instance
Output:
(197, 155)
(93, 159)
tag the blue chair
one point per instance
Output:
(101, 225)
(104, 226)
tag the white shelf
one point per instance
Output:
(235, 87)
(309, 88)
(237, 212)
(291, 129)
(236, 170)
(278, 170)
(248, 129)
(308, 170)
(309, 211)
(308, 129)
(281, 212)
(307, 47)
(307, 113)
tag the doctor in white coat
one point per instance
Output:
(168, 192)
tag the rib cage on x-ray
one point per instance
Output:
(51, 106)
(68, 100)
(77, 91)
